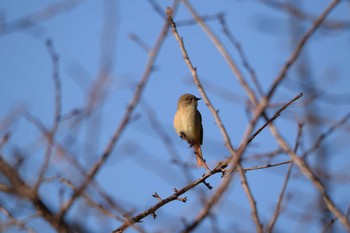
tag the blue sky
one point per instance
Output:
(140, 163)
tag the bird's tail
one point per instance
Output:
(199, 156)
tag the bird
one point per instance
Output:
(188, 125)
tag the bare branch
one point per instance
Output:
(300, 46)
(280, 198)
(232, 64)
(306, 170)
(241, 53)
(25, 191)
(57, 114)
(323, 136)
(38, 17)
(235, 156)
(179, 192)
(277, 114)
(252, 202)
(124, 122)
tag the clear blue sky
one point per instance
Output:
(132, 174)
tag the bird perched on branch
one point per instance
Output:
(188, 125)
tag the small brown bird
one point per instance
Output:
(188, 125)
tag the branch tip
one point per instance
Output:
(154, 215)
(183, 199)
(169, 13)
(155, 195)
(207, 184)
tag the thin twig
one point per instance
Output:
(36, 18)
(241, 53)
(306, 170)
(98, 206)
(224, 52)
(21, 224)
(324, 135)
(277, 114)
(4, 139)
(280, 198)
(252, 202)
(57, 114)
(300, 46)
(297, 13)
(179, 192)
(72, 161)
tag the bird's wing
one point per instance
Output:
(201, 135)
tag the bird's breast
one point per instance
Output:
(187, 121)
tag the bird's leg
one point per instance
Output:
(183, 136)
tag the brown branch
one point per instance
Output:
(124, 122)
(235, 156)
(300, 162)
(57, 114)
(223, 51)
(38, 17)
(280, 198)
(241, 53)
(261, 106)
(178, 192)
(139, 42)
(267, 166)
(25, 191)
(300, 46)
(324, 135)
(193, 71)
(252, 202)
(100, 207)
(89, 200)
(306, 170)
(277, 114)
(297, 13)
(4, 139)
(162, 202)
(176, 196)
(157, 8)
(6, 188)
(206, 18)
(72, 161)
(21, 224)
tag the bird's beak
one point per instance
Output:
(198, 98)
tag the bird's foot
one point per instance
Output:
(183, 137)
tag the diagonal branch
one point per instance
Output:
(124, 122)
(218, 169)
(57, 114)
(280, 198)
(306, 170)
(25, 191)
(252, 202)
(300, 46)
(193, 71)
(38, 17)
(223, 51)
